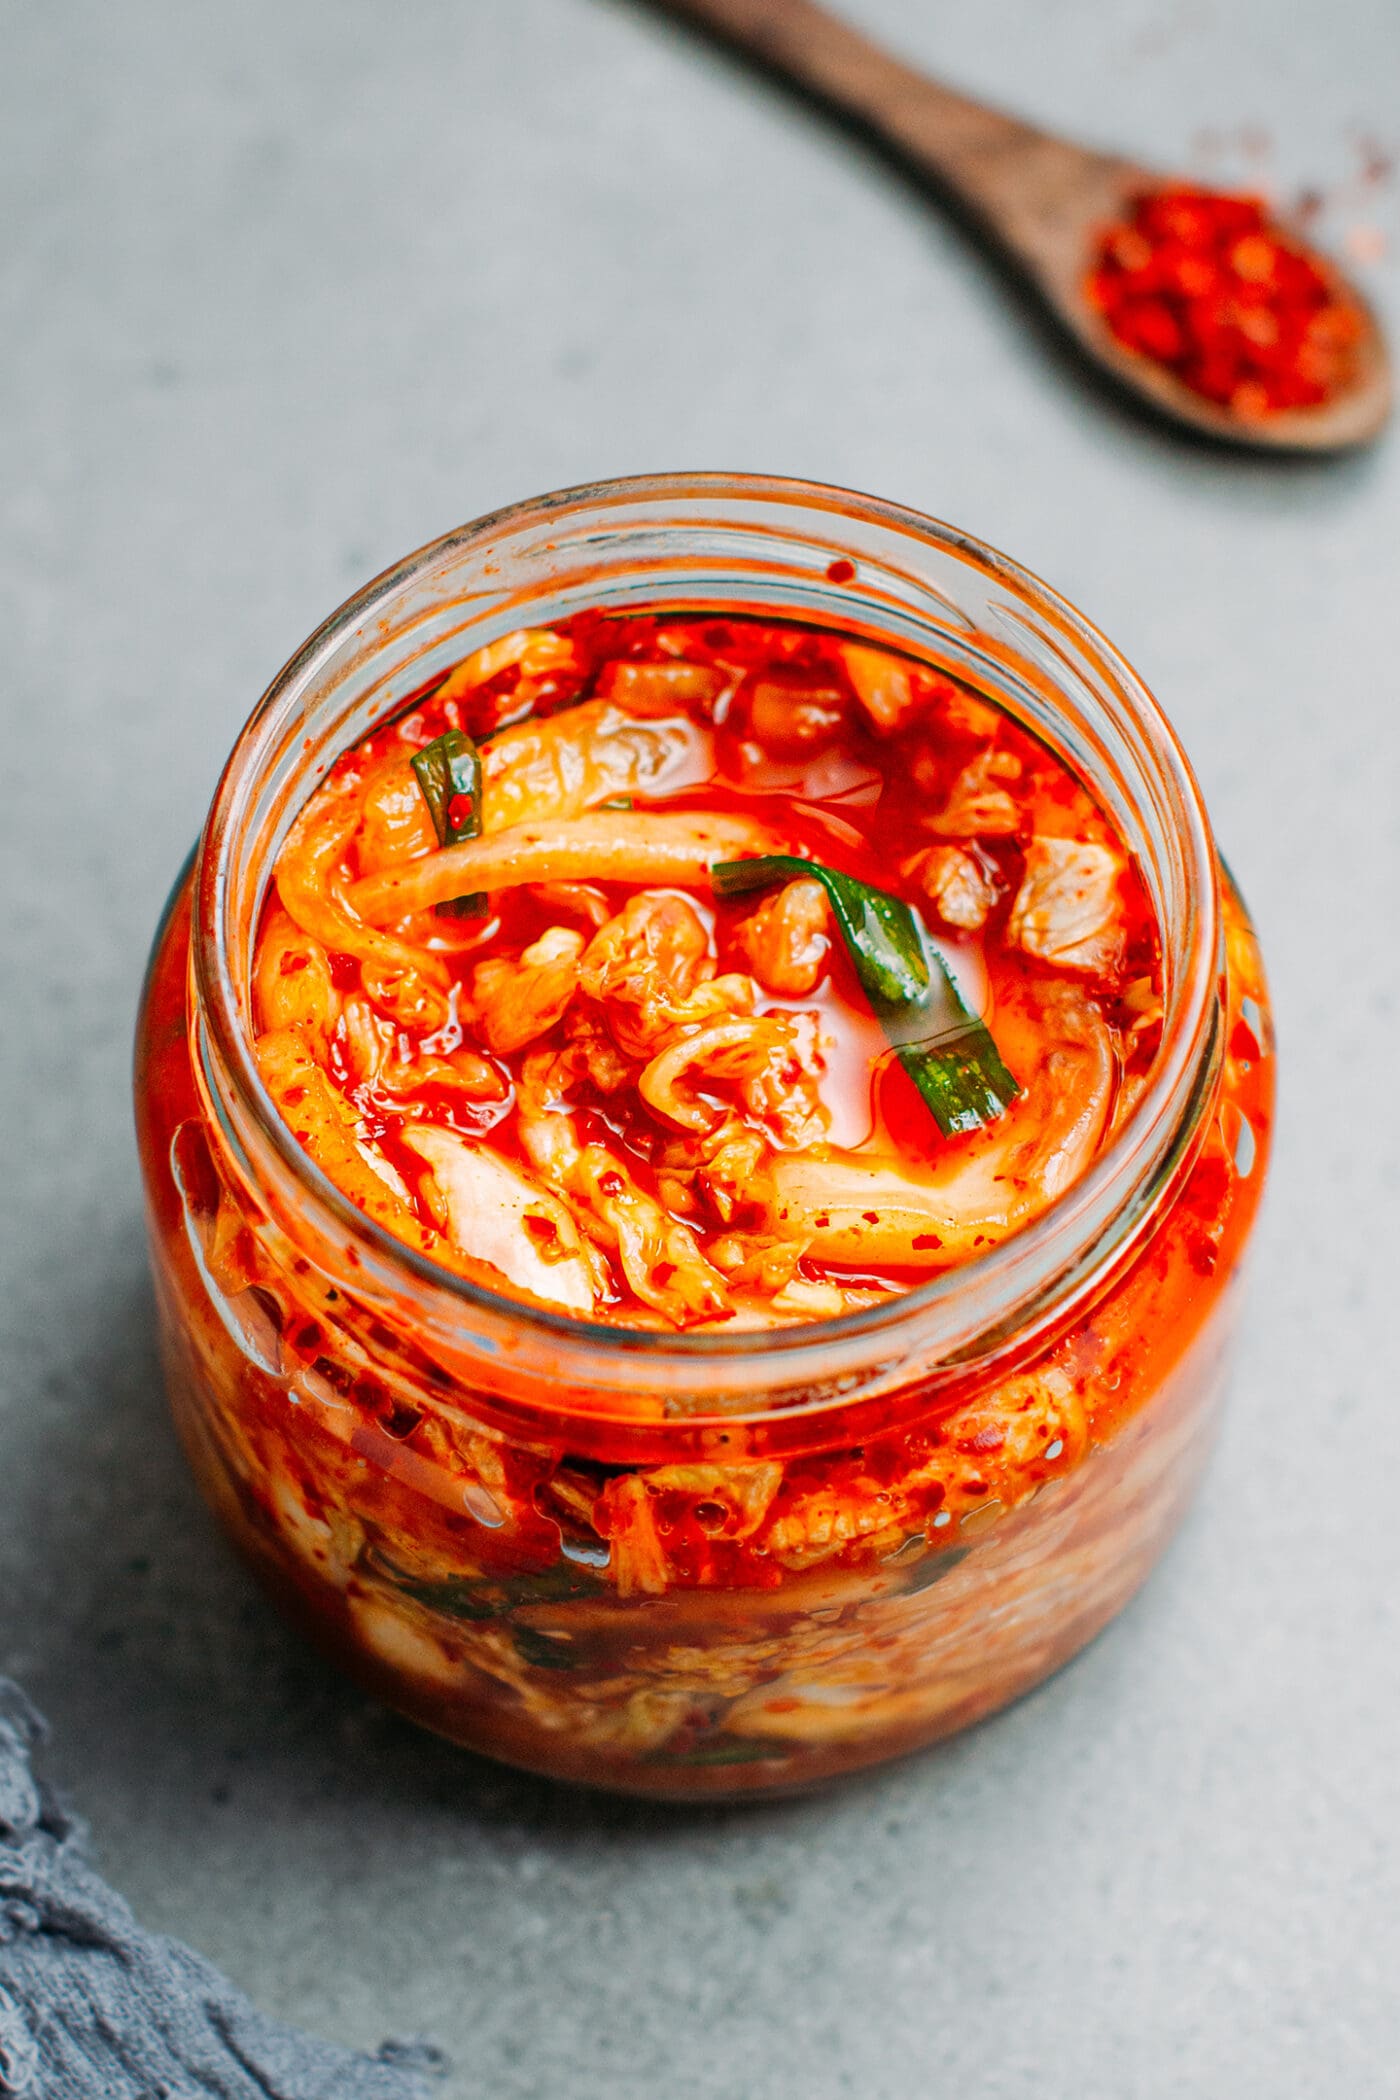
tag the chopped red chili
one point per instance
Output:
(1210, 286)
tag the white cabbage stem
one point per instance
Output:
(606, 846)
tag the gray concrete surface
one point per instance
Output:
(288, 288)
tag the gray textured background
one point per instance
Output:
(289, 287)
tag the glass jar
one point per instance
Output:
(702, 1564)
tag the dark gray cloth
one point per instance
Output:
(94, 2008)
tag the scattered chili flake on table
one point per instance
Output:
(1208, 285)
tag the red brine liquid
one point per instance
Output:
(649, 1103)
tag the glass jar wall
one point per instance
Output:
(702, 1564)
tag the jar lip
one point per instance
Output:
(1057, 1248)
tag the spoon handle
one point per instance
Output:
(1023, 185)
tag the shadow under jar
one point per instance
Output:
(957, 1487)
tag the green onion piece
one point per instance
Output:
(537, 1648)
(881, 931)
(960, 1075)
(947, 1052)
(482, 1597)
(618, 802)
(449, 774)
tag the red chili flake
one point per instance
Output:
(1208, 285)
(294, 1096)
(306, 1340)
(345, 970)
(927, 1239)
(840, 570)
(337, 1376)
(291, 964)
(399, 1420)
(459, 811)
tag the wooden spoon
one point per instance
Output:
(1040, 200)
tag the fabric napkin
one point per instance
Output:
(94, 2008)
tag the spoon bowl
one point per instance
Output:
(1054, 245)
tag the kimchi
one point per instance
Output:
(693, 975)
(646, 1004)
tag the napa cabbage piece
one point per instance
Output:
(326, 1126)
(659, 1255)
(1068, 911)
(559, 767)
(499, 1215)
(860, 1210)
(405, 979)
(567, 764)
(607, 846)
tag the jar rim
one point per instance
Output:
(1042, 1264)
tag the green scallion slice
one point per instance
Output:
(449, 774)
(947, 1052)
